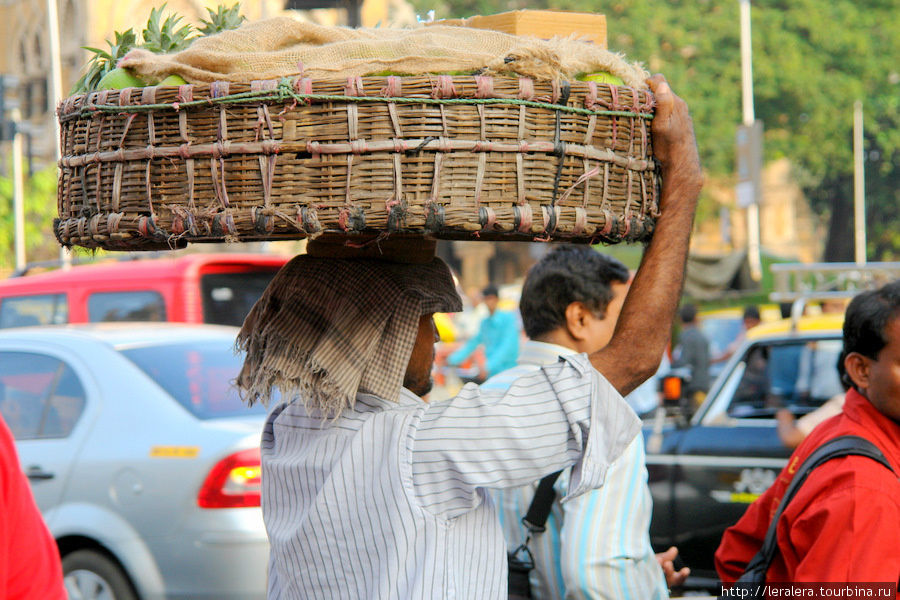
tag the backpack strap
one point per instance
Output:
(754, 576)
(539, 509)
(536, 518)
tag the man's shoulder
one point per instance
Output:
(850, 481)
(853, 486)
(694, 335)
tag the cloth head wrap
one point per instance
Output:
(327, 328)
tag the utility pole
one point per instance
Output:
(65, 257)
(859, 185)
(18, 189)
(751, 188)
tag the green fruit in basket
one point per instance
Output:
(173, 80)
(118, 79)
(104, 61)
(602, 77)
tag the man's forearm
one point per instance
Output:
(643, 327)
(645, 322)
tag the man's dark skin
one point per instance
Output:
(878, 379)
(641, 333)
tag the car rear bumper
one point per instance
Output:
(224, 564)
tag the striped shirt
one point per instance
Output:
(389, 501)
(596, 545)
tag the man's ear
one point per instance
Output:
(857, 367)
(576, 320)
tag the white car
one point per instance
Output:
(142, 458)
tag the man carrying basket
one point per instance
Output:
(369, 491)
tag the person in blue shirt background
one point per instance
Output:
(498, 333)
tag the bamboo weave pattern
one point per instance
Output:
(447, 157)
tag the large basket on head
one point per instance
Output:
(447, 157)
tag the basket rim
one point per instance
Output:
(300, 89)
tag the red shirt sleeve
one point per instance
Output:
(742, 541)
(29, 559)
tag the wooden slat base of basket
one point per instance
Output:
(439, 156)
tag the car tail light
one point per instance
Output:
(233, 482)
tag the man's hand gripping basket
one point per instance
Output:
(470, 157)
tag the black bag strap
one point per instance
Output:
(536, 518)
(754, 576)
(539, 509)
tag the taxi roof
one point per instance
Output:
(832, 322)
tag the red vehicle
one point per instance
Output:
(193, 288)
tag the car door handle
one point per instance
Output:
(38, 474)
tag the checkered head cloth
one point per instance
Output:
(328, 328)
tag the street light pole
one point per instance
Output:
(18, 189)
(65, 257)
(753, 245)
(859, 185)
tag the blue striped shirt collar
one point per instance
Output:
(542, 353)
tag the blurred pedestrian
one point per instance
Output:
(498, 334)
(598, 544)
(369, 490)
(792, 431)
(843, 523)
(692, 352)
(749, 319)
(30, 567)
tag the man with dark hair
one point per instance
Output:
(498, 333)
(844, 521)
(566, 275)
(692, 351)
(596, 545)
(750, 317)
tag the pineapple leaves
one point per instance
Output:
(163, 37)
(160, 36)
(102, 61)
(222, 19)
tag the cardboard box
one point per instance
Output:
(540, 23)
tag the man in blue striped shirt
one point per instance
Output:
(596, 545)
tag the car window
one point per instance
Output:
(800, 375)
(40, 396)
(44, 309)
(198, 375)
(126, 306)
(228, 297)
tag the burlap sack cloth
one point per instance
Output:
(284, 47)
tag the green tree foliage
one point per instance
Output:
(40, 209)
(811, 61)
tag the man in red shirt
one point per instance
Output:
(29, 559)
(843, 525)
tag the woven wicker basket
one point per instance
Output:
(440, 156)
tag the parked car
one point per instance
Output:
(142, 458)
(193, 288)
(704, 470)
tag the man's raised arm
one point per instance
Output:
(643, 329)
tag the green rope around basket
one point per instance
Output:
(285, 91)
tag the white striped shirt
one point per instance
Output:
(389, 500)
(596, 545)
